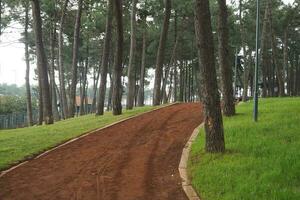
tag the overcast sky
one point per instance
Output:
(12, 65)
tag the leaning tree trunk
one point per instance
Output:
(42, 62)
(131, 66)
(52, 73)
(161, 54)
(75, 59)
(105, 58)
(28, 92)
(226, 71)
(211, 99)
(117, 73)
(141, 94)
(64, 102)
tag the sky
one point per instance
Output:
(12, 64)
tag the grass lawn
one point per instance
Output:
(19, 144)
(262, 161)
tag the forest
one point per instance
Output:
(114, 52)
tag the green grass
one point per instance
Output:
(19, 144)
(262, 161)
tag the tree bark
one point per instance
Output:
(141, 91)
(226, 71)
(117, 73)
(64, 101)
(75, 59)
(211, 99)
(105, 58)
(161, 54)
(28, 91)
(42, 62)
(131, 66)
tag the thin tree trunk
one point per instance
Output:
(109, 93)
(83, 97)
(246, 76)
(226, 71)
(279, 71)
(28, 92)
(131, 66)
(285, 59)
(41, 107)
(52, 73)
(161, 54)
(142, 72)
(211, 99)
(42, 62)
(264, 50)
(117, 84)
(105, 58)
(75, 59)
(64, 101)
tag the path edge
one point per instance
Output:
(186, 183)
(2, 173)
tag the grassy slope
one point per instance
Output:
(17, 144)
(262, 159)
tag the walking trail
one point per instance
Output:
(134, 160)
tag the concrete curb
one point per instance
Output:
(186, 184)
(79, 137)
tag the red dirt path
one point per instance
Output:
(134, 160)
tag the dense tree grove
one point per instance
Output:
(113, 51)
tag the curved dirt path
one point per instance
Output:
(134, 160)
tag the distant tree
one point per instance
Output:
(64, 102)
(161, 54)
(75, 59)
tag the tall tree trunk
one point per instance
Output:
(279, 71)
(52, 73)
(211, 99)
(142, 71)
(285, 59)
(264, 50)
(105, 58)
(117, 72)
(75, 59)
(131, 66)
(226, 71)
(42, 62)
(161, 54)
(61, 70)
(28, 92)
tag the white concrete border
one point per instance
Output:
(186, 184)
(84, 135)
